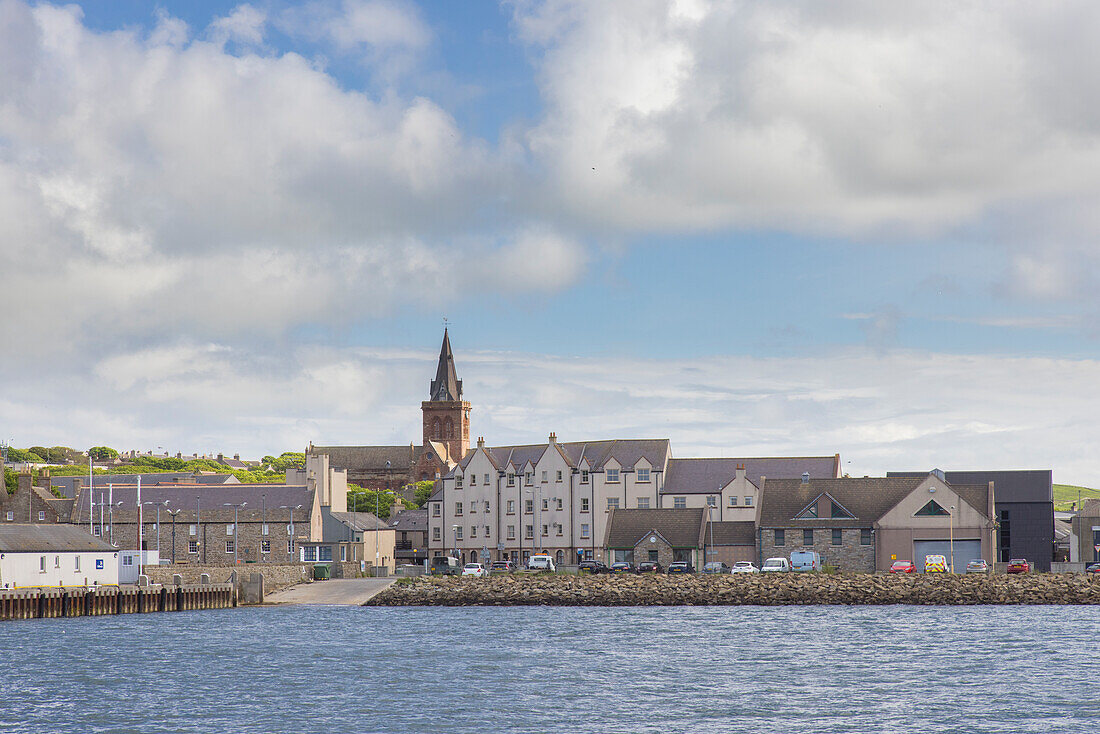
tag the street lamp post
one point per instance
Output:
(158, 506)
(951, 531)
(454, 530)
(173, 513)
(291, 509)
(236, 536)
(263, 529)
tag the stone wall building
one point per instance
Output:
(1086, 532)
(411, 536)
(660, 535)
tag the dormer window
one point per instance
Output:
(584, 476)
(932, 509)
(511, 479)
(458, 481)
(612, 475)
(643, 475)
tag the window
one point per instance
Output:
(310, 553)
(343, 553)
(561, 529)
(584, 476)
(436, 532)
(192, 529)
(733, 501)
(511, 479)
(780, 538)
(561, 504)
(511, 507)
(528, 478)
(228, 530)
(192, 546)
(458, 481)
(10, 516)
(473, 531)
(932, 509)
(95, 531)
(458, 509)
(653, 556)
(324, 553)
(473, 480)
(458, 533)
(57, 561)
(558, 476)
(290, 547)
(748, 501)
(230, 546)
(77, 559)
(486, 479)
(839, 512)
(435, 510)
(679, 503)
(126, 561)
(712, 501)
(612, 475)
(528, 506)
(807, 537)
(546, 505)
(41, 516)
(265, 546)
(486, 531)
(838, 536)
(584, 504)
(810, 513)
(643, 475)
(529, 531)
(612, 503)
(264, 529)
(544, 477)
(643, 503)
(545, 530)
(473, 507)
(511, 532)
(585, 532)
(865, 536)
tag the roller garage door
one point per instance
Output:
(965, 551)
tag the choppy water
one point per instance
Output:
(731, 669)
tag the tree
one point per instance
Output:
(38, 454)
(374, 501)
(102, 453)
(11, 480)
(422, 493)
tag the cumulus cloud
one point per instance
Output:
(880, 410)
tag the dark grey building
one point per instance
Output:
(1024, 503)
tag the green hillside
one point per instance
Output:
(1066, 494)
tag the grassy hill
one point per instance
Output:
(1066, 494)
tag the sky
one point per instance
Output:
(752, 228)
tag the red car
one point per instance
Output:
(1019, 565)
(903, 567)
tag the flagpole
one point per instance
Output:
(91, 496)
(140, 525)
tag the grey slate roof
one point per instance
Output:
(627, 452)
(362, 521)
(213, 499)
(68, 485)
(56, 538)
(372, 458)
(682, 528)
(867, 498)
(730, 532)
(1028, 485)
(705, 476)
(410, 521)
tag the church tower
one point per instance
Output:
(446, 414)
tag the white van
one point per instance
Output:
(776, 564)
(541, 563)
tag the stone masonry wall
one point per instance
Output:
(849, 556)
(276, 577)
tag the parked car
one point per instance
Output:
(1018, 565)
(978, 565)
(774, 565)
(475, 569)
(744, 567)
(502, 567)
(716, 567)
(622, 567)
(592, 567)
(903, 567)
(446, 566)
(935, 564)
(805, 561)
(650, 567)
(680, 567)
(1092, 568)
(541, 563)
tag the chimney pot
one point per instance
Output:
(805, 477)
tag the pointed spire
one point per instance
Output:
(446, 385)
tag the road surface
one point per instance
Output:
(349, 592)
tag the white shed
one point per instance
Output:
(54, 555)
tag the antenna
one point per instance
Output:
(446, 322)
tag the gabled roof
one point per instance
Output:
(410, 521)
(188, 497)
(732, 532)
(371, 458)
(361, 521)
(868, 498)
(54, 538)
(446, 386)
(704, 476)
(1027, 485)
(682, 528)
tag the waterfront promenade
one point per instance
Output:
(342, 592)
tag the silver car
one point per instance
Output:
(744, 567)
(978, 565)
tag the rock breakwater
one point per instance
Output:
(741, 589)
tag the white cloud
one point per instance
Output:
(881, 410)
(244, 25)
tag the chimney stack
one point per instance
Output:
(553, 437)
(481, 442)
(805, 477)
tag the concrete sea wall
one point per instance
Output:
(741, 589)
(276, 576)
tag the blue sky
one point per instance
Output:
(207, 200)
